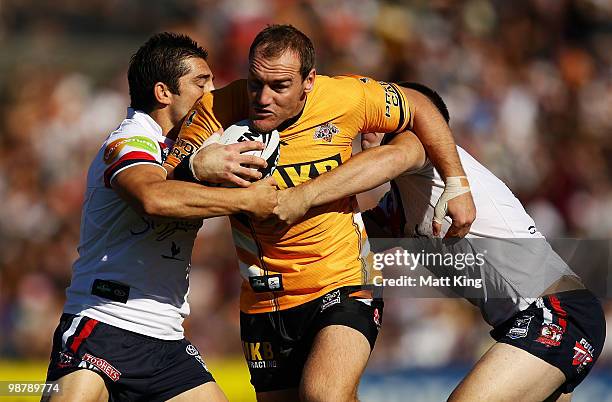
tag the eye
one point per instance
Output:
(254, 85)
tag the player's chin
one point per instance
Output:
(265, 125)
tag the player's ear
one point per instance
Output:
(162, 93)
(309, 80)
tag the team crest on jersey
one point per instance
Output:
(550, 335)
(326, 132)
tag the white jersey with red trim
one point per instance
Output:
(520, 263)
(132, 271)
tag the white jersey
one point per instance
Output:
(132, 271)
(520, 264)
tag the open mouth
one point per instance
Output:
(261, 113)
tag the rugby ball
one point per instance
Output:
(242, 131)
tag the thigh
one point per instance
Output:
(340, 350)
(507, 373)
(209, 392)
(81, 385)
(345, 332)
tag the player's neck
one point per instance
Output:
(162, 117)
(290, 121)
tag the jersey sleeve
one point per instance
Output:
(215, 110)
(123, 150)
(384, 107)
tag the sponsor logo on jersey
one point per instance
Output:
(330, 299)
(164, 229)
(266, 283)
(520, 328)
(113, 150)
(103, 366)
(292, 175)
(181, 149)
(326, 132)
(259, 354)
(550, 335)
(392, 98)
(111, 290)
(583, 354)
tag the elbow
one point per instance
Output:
(160, 207)
(150, 206)
(152, 203)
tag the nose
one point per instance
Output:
(264, 96)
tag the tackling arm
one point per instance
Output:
(146, 189)
(362, 172)
(438, 141)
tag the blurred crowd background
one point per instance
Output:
(528, 85)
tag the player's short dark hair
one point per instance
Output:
(432, 95)
(160, 59)
(274, 40)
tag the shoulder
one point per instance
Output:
(338, 92)
(344, 83)
(131, 136)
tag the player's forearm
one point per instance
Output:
(366, 170)
(435, 135)
(180, 200)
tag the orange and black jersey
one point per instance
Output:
(328, 248)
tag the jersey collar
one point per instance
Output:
(144, 119)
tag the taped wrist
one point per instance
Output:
(454, 188)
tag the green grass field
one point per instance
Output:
(231, 374)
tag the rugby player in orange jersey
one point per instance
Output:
(307, 324)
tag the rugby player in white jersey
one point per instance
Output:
(549, 329)
(121, 334)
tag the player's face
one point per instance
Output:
(197, 81)
(277, 91)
